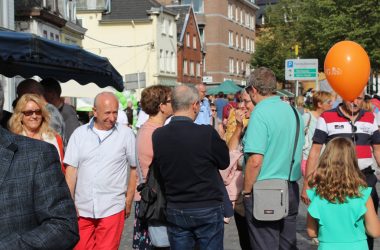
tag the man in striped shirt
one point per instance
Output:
(351, 121)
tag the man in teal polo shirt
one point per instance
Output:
(269, 143)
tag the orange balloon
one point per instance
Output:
(347, 69)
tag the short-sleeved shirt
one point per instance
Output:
(102, 169)
(340, 222)
(220, 103)
(271, 132)
(364, 132)
(204, 115)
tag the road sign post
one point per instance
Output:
(301, 69)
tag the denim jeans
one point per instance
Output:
(203, 226)
(272, 235)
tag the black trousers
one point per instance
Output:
(273, 235)
(371, 180)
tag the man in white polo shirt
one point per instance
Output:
(97, 157)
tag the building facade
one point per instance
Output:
(190, 51)
(137, 36)
(227, 29)
(7, 22)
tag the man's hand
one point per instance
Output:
(311, 166)
(128, 208)
(304, 197)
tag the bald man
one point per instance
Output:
(97, 157)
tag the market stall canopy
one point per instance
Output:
(227, 87)
(28, 55)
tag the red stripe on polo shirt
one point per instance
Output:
(332, 116)
(363, 151)
(367, 117)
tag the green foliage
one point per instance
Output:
(316, 25)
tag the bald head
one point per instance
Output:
(105, 96)
(183, 97)
(105, 110)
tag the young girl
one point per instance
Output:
(341, 211)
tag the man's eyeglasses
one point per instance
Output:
(213, 110)
(31, 112)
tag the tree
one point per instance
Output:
(316, 25)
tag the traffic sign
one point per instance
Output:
(301, 69)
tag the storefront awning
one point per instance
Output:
(28, 55)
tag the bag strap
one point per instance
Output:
(295, 140)
(138, 167)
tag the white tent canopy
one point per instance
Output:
(74, 89)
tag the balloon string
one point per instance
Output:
(353, 123)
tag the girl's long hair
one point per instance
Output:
(338, 175)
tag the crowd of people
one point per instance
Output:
(71, 186)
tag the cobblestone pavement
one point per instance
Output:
(231, 241)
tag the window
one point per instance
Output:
(230, 39)
(252, 46)
(188, 40)
(247, 69)
(198, 5)
(185, 68)
(242, 42)
(237, 40)
(237, 67)
(162, 62)
(236, 14)
(241, 17)
(231, 65)
(252, 22)
(230, 12)
(194, 42)
(51, 36)
(172, 60)
(170, 28)
(247, 19)
(242, 66)
(56, 37)
(247, 44)
(45, 34)
(163, 28)
(167, 65)
(192, 72)
(198, 73)
(201, 34)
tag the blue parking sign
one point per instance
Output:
(290, 64)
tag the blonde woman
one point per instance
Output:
(31, 119)
(322, 101)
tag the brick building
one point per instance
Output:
(227, 30)
(189, 46)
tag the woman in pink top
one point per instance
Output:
(156, 102)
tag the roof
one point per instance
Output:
(182, 11)
(131, 9)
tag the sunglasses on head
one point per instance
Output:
(31, 112)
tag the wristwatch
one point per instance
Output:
(244, 193)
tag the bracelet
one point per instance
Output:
(245, 193)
